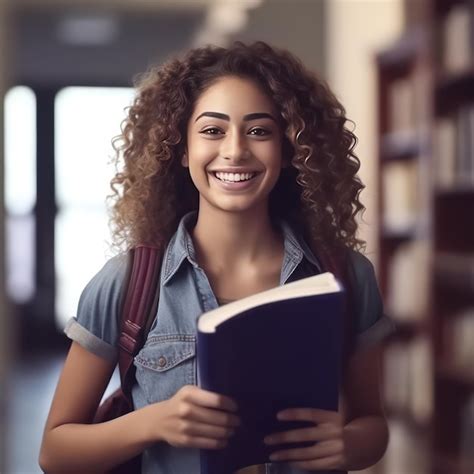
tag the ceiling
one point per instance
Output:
(123, 5)
(91, 43)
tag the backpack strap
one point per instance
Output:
(139, 308)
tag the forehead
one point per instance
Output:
(235, 96)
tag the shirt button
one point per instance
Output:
(162, 361)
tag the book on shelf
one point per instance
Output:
(467, 431)
(400, 194)
(396, 364)
(444, 152)
(453, 147)
(401, 105)
(457, 37)
(465, 146)
(408, 282)
(462, 340)
(277, 349)
(408, 386)
(421, 393)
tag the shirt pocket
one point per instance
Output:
(165, 364)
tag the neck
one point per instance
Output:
(234, 240)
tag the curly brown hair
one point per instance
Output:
(318, 194)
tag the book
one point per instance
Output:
(402, 99)
(408, 279)
(454, 149)
(457, 38)
(408, 385)
(400, 195)
(444, 151)
(277, 349)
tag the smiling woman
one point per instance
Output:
(245, 138)
(238, 165)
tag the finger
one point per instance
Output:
(331, 462)
(317, 433)
(296, 454)
(309, 414)
(208, 415)
(318, 451)
(200, 442)
(208, 399)
(206, 431)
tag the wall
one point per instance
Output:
(4, 334)
(296, 25)
(356, 29)
(51, 50)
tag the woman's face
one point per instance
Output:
(234, 129)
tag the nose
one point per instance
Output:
(234, 146)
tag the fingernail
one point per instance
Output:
(267, 440)
(274, 457)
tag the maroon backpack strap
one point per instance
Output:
(139, 308)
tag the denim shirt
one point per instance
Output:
(167, 360)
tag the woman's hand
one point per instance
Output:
(328, 452)
(193, 418)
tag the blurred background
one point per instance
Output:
(404, 70)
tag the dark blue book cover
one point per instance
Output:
(270, 356)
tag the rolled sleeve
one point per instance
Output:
(372, 325)
(89, 341)
(96, 325)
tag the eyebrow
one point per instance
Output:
(247, 118)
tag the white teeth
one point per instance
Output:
(234, 177)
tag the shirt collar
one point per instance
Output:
(181, 247)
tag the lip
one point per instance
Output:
(237, 186)
(234, 170)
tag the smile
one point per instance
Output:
(234, 177)
(237, 182)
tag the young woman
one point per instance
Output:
(239, 162)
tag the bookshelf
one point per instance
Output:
(426, 235)
(404, 76)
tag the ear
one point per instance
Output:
(184, 160)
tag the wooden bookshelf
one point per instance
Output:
(452, 89)
(428, 255)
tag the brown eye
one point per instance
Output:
(210, 131)
(259, 132)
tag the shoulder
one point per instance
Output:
(97, 321)
(361, 273)
(107, 283)
(365, 288)
(361, 265)
(372, 324)
(99, 304)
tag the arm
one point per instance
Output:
(365, 431)
(69, 443)
(191, 418)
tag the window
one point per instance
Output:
(20, 191)
(86, 120)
